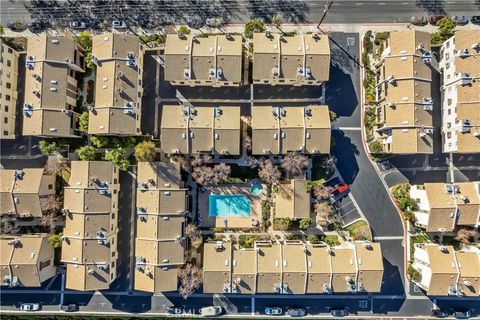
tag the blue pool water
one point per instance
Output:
(256, 189)
(228, 205)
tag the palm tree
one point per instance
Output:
(294, 163)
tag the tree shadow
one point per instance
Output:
(432, 6)
(292, 11)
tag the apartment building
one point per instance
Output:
(442, 206)
(52, 65)
(292, 267)
(290, 60)
(118, 85)
(279, 130)
(292, 200)
(404, 109)
(159, 239)
(26, 260)
(9, 92)
(214, 60)
(26, 193)
(460, 67)
(188, 130)
(89, 247)
(446, 272)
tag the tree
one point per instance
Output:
(465, 235)
(48, 220)
(312, 238)
(305, 223)
(48, 148)
(145, 151)
(329, 163)
(294, 163)
(55, 240)
(376, 147)
(323, 210)
(253, 26)
(286, 222)
(206, 175)
(269, 172)
(55, 163)
(100, 141)
(277, 21)
(446, 27)
(84, 39)
(89, 62)
(190, 277)
(413, 274)
(184, 30)
(87, 153)
(320, 192)
(183, 161)
(222, 172)
(117, 157)
(84, 121)
(200, 159)
(247, 143)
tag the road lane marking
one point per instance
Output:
(382, 4)
(359, 4)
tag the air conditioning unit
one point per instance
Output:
(463, 53)
(103, 266)
(275, 71)
(428, 130)
(30, 62)
(186, 74)
(427, 57)
(143, 186)
(212, 73)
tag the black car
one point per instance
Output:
(71, 307)
(339, 312)
(439, 313)
(475, 19)
(16, 26)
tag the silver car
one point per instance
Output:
(460, 19)
(30, 306)
(296, 312)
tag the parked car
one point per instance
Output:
(78, 25)
(30, 306)
(34, 25)
(273, 311)
(386, 165)
(339, 312)
(119, 24)
(174, 310)
(213, 22)
(439, 313)
(339, 191)
(460, 19)
(71, 307)
(16, 26)
(211, 311)
(419, 20)
(296, 312)
(434, 19)
(462, 313)
(475, 19)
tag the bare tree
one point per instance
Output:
(329, 163)
(323, 210)
(55, 163)
(464, 235)
(190, 279)
(320, 192)
(48, 220)
(196, 239)
(7, 227)
(294, 163)
(269, 172)
(200, 159)
(206, 175)
(183, 161)
(247, 143)
(222, 172)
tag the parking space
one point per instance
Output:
(347, 210)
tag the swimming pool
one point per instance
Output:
(256, 189)
(228, 205)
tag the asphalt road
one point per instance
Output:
(238, 11)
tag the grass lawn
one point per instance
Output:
(331, 240)
(359, 231)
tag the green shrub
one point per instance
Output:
(376, 147)
(287, 222)
(407, 204)
(90, 90)
(145, 151)
(48, 148)
(413, 273)
(87, 153)
(312, 238)
(184, 29)
(253, 26)
(305, 223)
(83, 121)
(117, 157)
(367, 42)
(55, 240)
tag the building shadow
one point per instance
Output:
(346, 152)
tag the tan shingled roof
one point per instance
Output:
(444, 269)
(217, 267)
(469, 267)
(319, 268)
(207, 129)
(289, 53)
(293, 200)
(280, 130)
(20, 257)
(370, 266)
(294, 267)
(343, 267)
(244, 269)
(269, 268)
(117, 84)
(202, 54)
(157, 279)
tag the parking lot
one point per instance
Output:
(346, 210)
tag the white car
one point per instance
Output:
(214, 22)
(119, 24)
(77, 25)
(460, 19)
(273, 311)
(30, 306)
(210, 311)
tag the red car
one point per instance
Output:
(434, 19)
(339, 191)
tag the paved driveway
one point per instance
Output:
(346, 210)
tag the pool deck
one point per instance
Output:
(229, 222)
